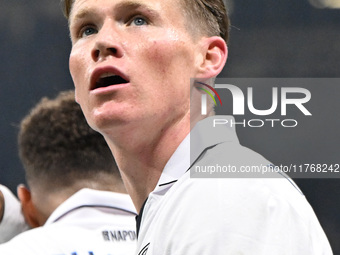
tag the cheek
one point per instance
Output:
(164, 50)
(167, 59)
(160, 54)
(77, 65)
(74, 67)
(169, 66)
(77, 70)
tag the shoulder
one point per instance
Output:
(25, 243)
(225, 191)
(239, 212)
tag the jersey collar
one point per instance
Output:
(205, 134)
(95, 199)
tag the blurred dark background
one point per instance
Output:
(277, 39)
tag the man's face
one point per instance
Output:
(131, 61)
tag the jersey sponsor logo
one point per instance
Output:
(119, 235)
(144, 250)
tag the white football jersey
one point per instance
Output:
(188, 214)
(90, 222)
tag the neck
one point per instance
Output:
(144, 153)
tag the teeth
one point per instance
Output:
(104, 75)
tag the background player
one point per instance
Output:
(76, 201)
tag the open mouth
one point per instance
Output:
(109, 80)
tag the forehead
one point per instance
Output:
(162, 7)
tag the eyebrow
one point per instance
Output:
(133, 5)
(84, 12)
(129, 6)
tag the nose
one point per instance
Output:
(107, 44)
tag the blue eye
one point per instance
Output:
(88, 31)
(139, 21)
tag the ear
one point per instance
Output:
(215, 54)
(28, 209)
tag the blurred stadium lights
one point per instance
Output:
(321, 4)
